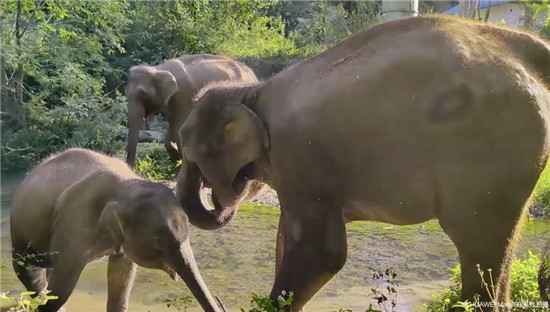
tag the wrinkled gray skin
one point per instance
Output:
(168, 89)
(80, 205)
(429, 117)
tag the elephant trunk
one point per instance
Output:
(184, 264)
(188, 192)
(136, 113)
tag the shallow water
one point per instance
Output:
(239, 259)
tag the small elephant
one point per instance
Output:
(427, 117)
(168, 89)
(80, 205)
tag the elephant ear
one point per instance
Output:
(166, 85)
(109, 235)
(245, 132)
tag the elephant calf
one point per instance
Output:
(80, 205)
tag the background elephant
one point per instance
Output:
(428, 117)
(168, 89)
(80, 205)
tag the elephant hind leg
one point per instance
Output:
(487, 240)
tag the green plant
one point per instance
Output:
(94, 123)
(385, 292)
(524, 279)
(26, 303)
(154, 164)
(178, 303)
(466, 305)
(264, 304)
(524, 289)
(541, 194)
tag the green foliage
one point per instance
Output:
(178, 303)
(154, 164)
(168, 29)
(64, 45)
(26, 303)
(445, 300)
(325, 24)
(537, 16)
(264, 304)
(541, 194)
(524, 289)
(62, 55)
(94, 123)
(524, 279)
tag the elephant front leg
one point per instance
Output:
(315, 247)
(280, 247)
(120, 278)
(32, 277)
(68, 264)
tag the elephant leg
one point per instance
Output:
(68, 264)
(279, 249)
(315, 246)
(31, 276)
(120, 278)
(489, 240)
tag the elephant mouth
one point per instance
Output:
(238, 187)
(247, 173)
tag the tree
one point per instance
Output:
(55, 51)
(537, 16)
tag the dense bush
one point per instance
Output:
(324, 24)
(93, 123)
(524, 287)
(153, 163)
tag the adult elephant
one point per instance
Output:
(168, 89)
(80, 205)
(428, 117)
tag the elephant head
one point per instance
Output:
(221, 140)
(148, 92)
(152, 230)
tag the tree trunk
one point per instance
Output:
(467, 8)
(5, 95)
(476, 10)
(487, 11)
(19, 74)
(3, 76)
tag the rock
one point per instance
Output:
(146, 136)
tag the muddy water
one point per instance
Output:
(239, 259)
